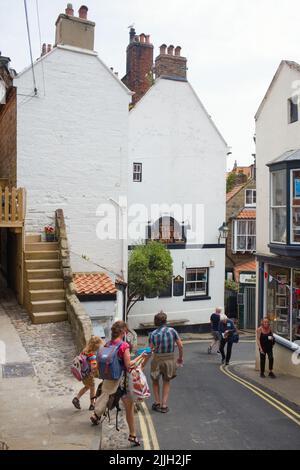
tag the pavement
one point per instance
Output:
(36, 389)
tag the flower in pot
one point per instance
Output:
(50, 233)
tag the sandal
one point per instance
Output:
(95, 419)
(134, 440)
(164, 409)
(156, 407)
(76, 403)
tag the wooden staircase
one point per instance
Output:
(44, 287)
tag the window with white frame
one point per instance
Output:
(196, 282)
(295, 206)
(137, 172)
(244, 235)
(250, 198)
(278, 207)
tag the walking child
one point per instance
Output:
(89, 354)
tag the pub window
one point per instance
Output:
(137, 172)
(196, 282)
(293, 109)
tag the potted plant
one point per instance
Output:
(50, 233)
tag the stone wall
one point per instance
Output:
(80, 321)
(81, 324)
(8, 138)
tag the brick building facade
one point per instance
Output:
(8, 124)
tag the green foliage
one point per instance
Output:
(230, 182)
(231, 285)
(150, 270)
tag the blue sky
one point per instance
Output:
(233, 47)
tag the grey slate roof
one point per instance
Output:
(287, 157)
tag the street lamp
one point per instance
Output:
(223, 232)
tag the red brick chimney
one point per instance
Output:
(170, 65)
(139, 66)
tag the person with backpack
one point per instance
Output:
(214, 321)
(84, 368)
(265, 341)
(162, 341)
(113, 359)
(228, 336)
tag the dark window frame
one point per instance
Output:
(137, 173)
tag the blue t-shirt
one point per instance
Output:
(215, 319)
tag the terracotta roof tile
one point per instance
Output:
(247, 214)
(234, 191)
(94, 284)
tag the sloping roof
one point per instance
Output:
(247, 214)
(292, 65)
(94, 284)
(287, 157)
(234, 191)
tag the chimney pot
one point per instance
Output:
(83, 10)
(178, 51)
(148, 38)
(171, 50)
(44, 49)
(69, 10)
(142, 38)
(163, 48)
(131, 34)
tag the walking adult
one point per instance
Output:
(162, 342)
(214, 322)
(227, 330)
(109, 387)
(265, 342)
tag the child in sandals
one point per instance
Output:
(89, 352)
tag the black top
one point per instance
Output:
(266, 341)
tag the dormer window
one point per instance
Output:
(293, 109)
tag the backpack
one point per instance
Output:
(80, 367)
(109, 364)
(113, 402)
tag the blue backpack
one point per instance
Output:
(109, 363)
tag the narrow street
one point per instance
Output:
(210, 411)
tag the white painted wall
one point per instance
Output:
(184, 162)
(73, 149)
(274, 136)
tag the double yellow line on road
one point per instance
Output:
(147, 428)
(280, 406)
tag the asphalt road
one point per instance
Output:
(210, 411)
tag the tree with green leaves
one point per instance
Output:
(150, 271)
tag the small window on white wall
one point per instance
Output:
(250, 198)
(196, 282)
(137, 172)
(293, 109)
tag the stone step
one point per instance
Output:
(33, 237)
(41, 246)
(42, 284)
(42, 255)
(42, 264)
(47, 294)
(43, 273)
(48, 317)
(48, 306)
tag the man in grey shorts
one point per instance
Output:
(162, 342)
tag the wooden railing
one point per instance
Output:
(12, 207)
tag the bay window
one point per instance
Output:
(278, 207)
